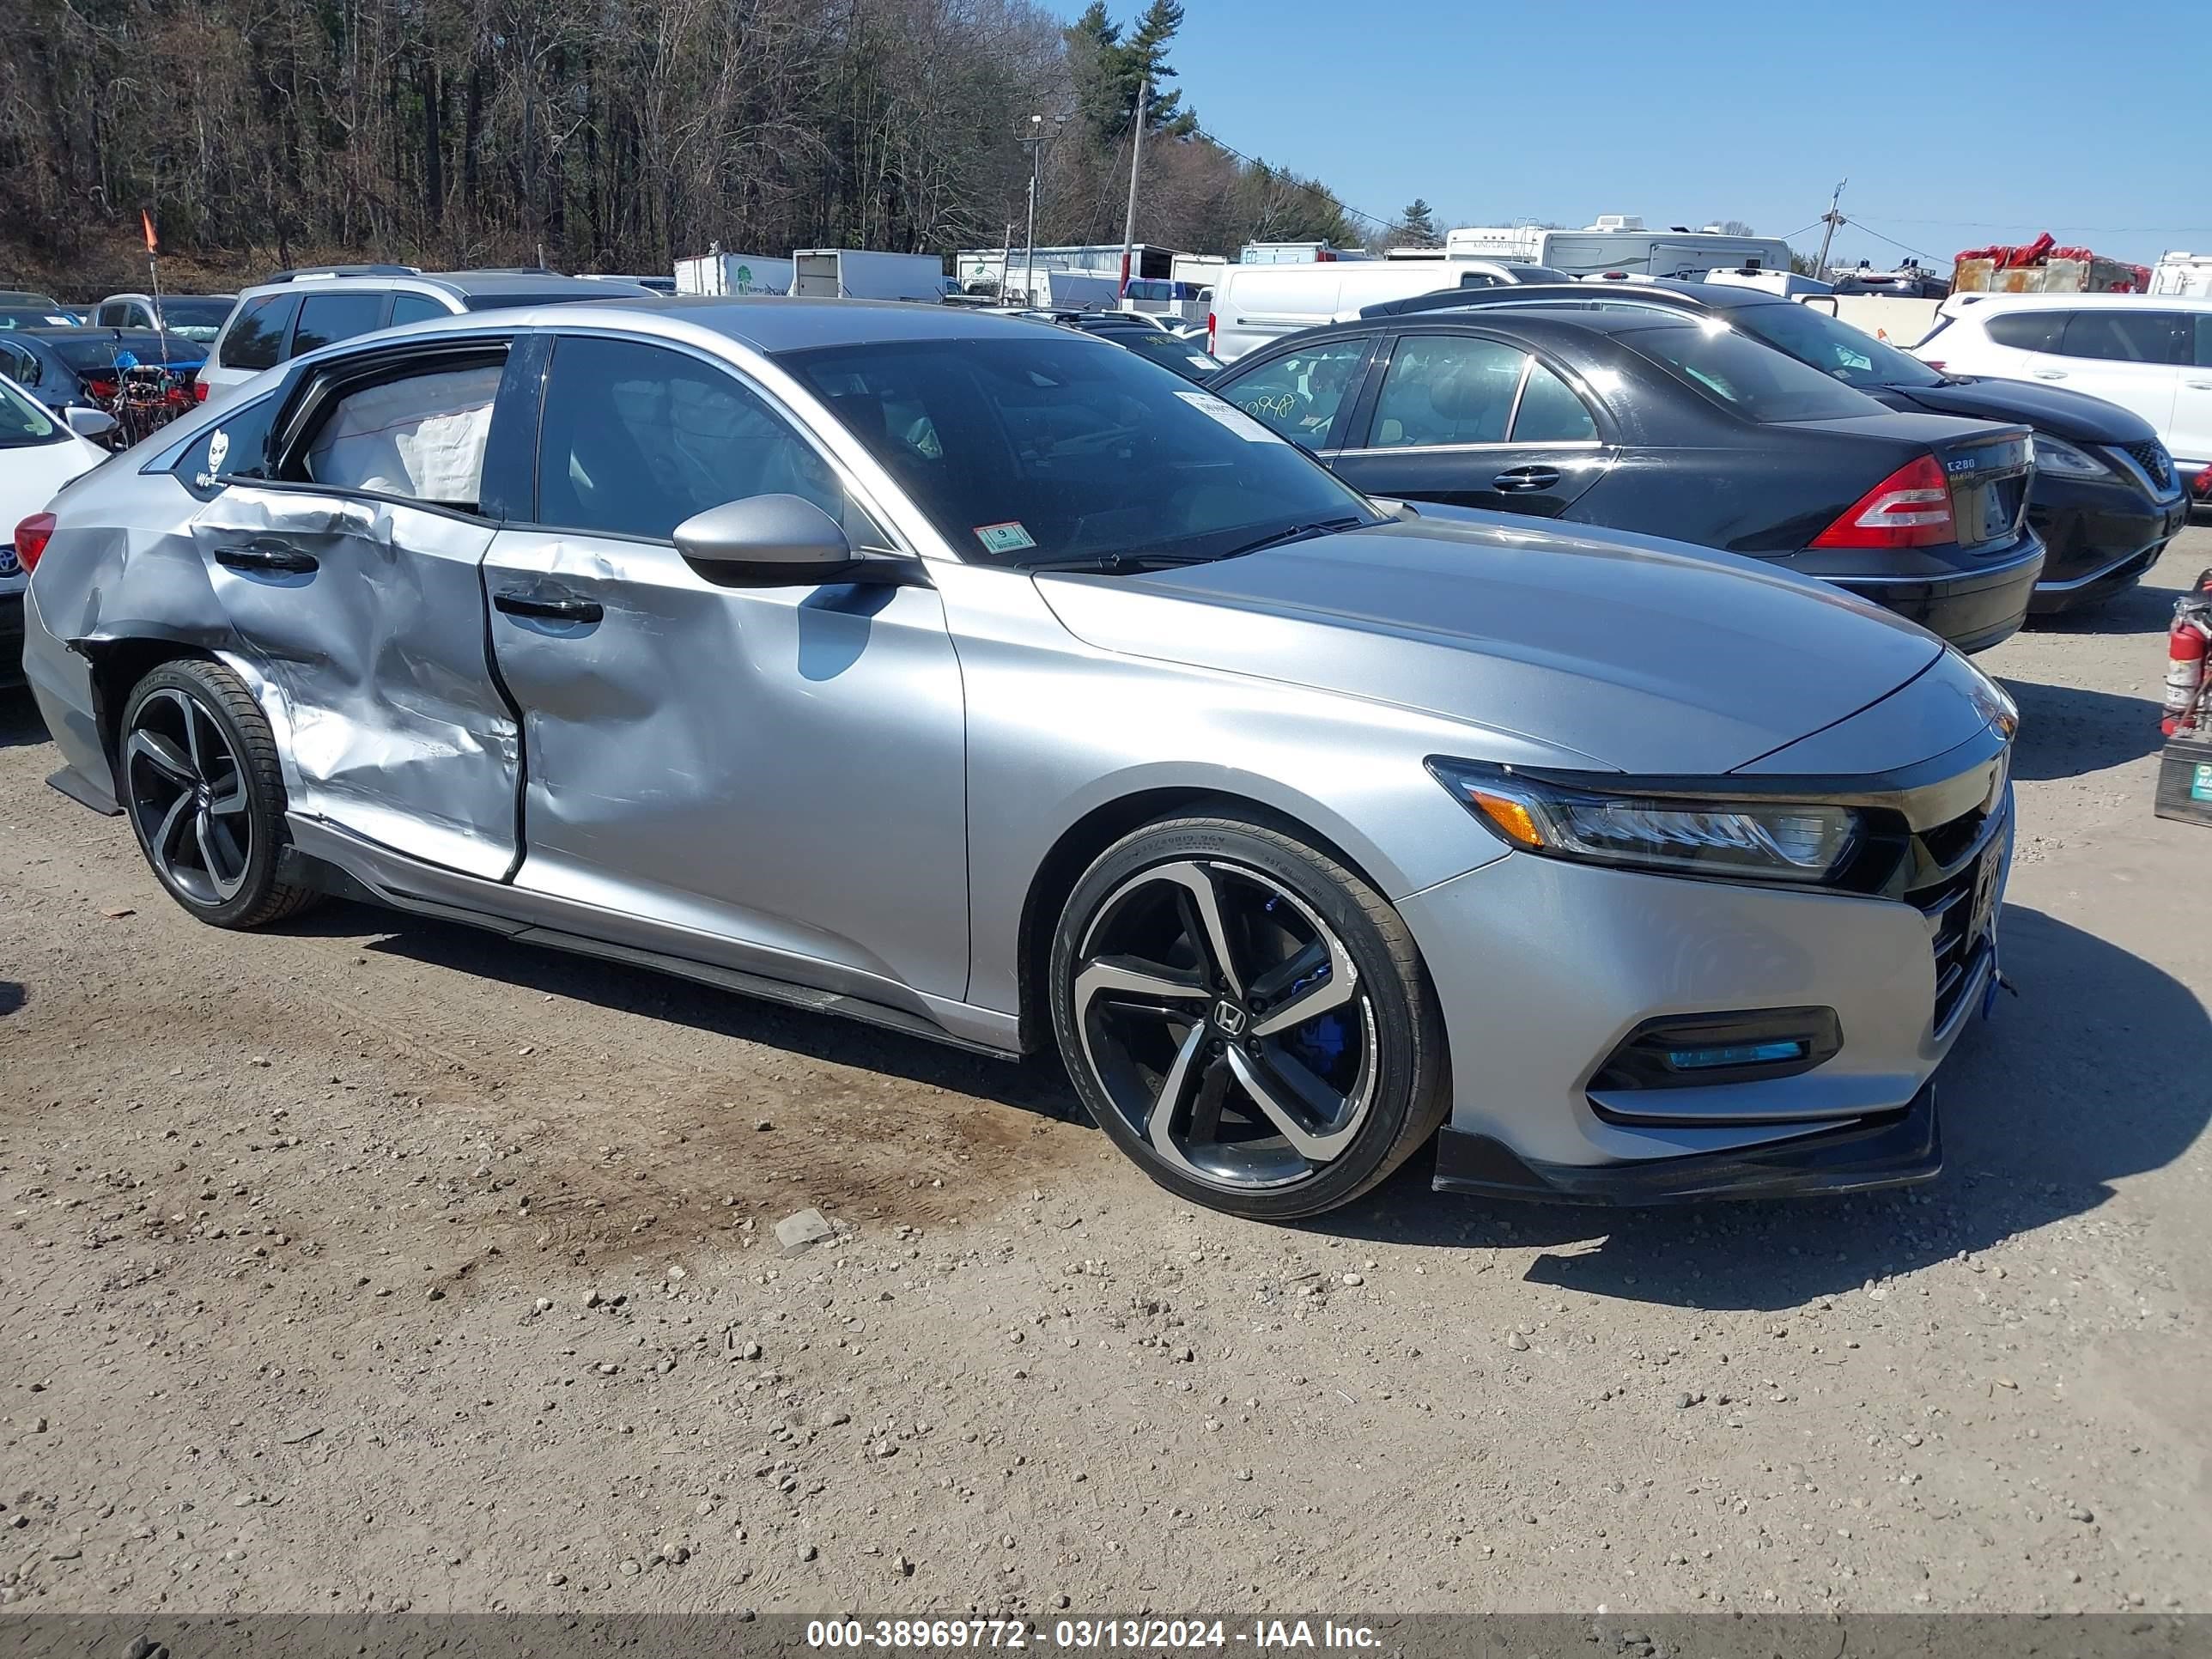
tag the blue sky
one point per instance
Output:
(1957, 124)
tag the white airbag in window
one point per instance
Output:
(422, 437)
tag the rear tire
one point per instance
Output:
(1180, 969)
(204, 793)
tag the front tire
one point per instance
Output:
(205, 795)
(1246, 1017)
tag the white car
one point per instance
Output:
(2148, 353)
(38, 453)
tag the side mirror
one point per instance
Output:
(768, 541)
(89, 422)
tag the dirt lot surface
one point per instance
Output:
(372, 1263)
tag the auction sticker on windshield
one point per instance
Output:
(1008, 537)
(1230, 415)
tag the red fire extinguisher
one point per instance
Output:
(2184, 668)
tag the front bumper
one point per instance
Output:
(1544, 967)
(2097, 537)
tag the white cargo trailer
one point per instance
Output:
(1619, 242)
(716, 272)
(844, 273)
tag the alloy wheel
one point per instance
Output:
(188, 796)
(1227, 1022)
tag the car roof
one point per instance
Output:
(767, 323)
(464, 284)
(1970, 302)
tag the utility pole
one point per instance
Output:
(1136, 152)
(1007, 262)
(1832, 219)
(1035, 141)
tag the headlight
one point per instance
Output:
(1781, 841)
(2062, 459)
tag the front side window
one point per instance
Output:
(111, 314)
(1032, 447)
(2123, 336)
(256, 339)
(635, 438)
(1747, 378)
(1447, 389)
(326, 319)
(1297, 395)
(420, 437)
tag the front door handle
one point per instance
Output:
(2198, 386)
(1521, 480)
(548, 606)
(277, 556)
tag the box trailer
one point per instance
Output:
(1620, 242)
(716, 272)
(844, 273)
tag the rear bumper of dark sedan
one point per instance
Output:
(2097, 538)
(1974, 600)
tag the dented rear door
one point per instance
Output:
(355, 580)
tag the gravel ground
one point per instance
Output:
(374, 1263)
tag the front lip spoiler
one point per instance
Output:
(1893, 1150)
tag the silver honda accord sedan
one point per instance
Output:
(988, 681)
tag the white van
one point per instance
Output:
(2151, 352)
(1255, 304)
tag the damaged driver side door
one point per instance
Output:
(352, 576)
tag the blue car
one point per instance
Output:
(67, 368)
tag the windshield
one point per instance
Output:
(1190, 360)
(22, 422)
(33, 316)
(195, 317)
(1025, 449)
(1748, 378)
(1833, 347)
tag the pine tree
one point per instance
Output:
(1417, 225)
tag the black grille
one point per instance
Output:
(1958, 909)
(2154, 459)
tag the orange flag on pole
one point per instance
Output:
(147, 220)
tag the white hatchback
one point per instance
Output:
(39, 452)
(2148, 353)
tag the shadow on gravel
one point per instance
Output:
(1037, 1086)
(19, 724)
(12, 996)
(2066, 732)
(2095, 1072)
(2145, 608)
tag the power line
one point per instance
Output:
(2084, 230)
(1371, 218)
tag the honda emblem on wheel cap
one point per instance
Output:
(1229, 1017)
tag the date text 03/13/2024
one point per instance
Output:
(1149, 1635)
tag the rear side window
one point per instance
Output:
(325, 318)
(414, 308)
(636, 439)
(20, 366)
(422, 437)
(1443, 390)
(256, 338)
(1752, 381)
(236, 447)
(1550, 413)
(2123, 336)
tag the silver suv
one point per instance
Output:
(296, 310)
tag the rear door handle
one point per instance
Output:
(1521, 480)
(2199, 385)
(277, 556)
(549, 606)
(2050, 374)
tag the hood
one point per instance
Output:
(1645, 655)
(2074, 415)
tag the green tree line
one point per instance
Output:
(613, 135)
